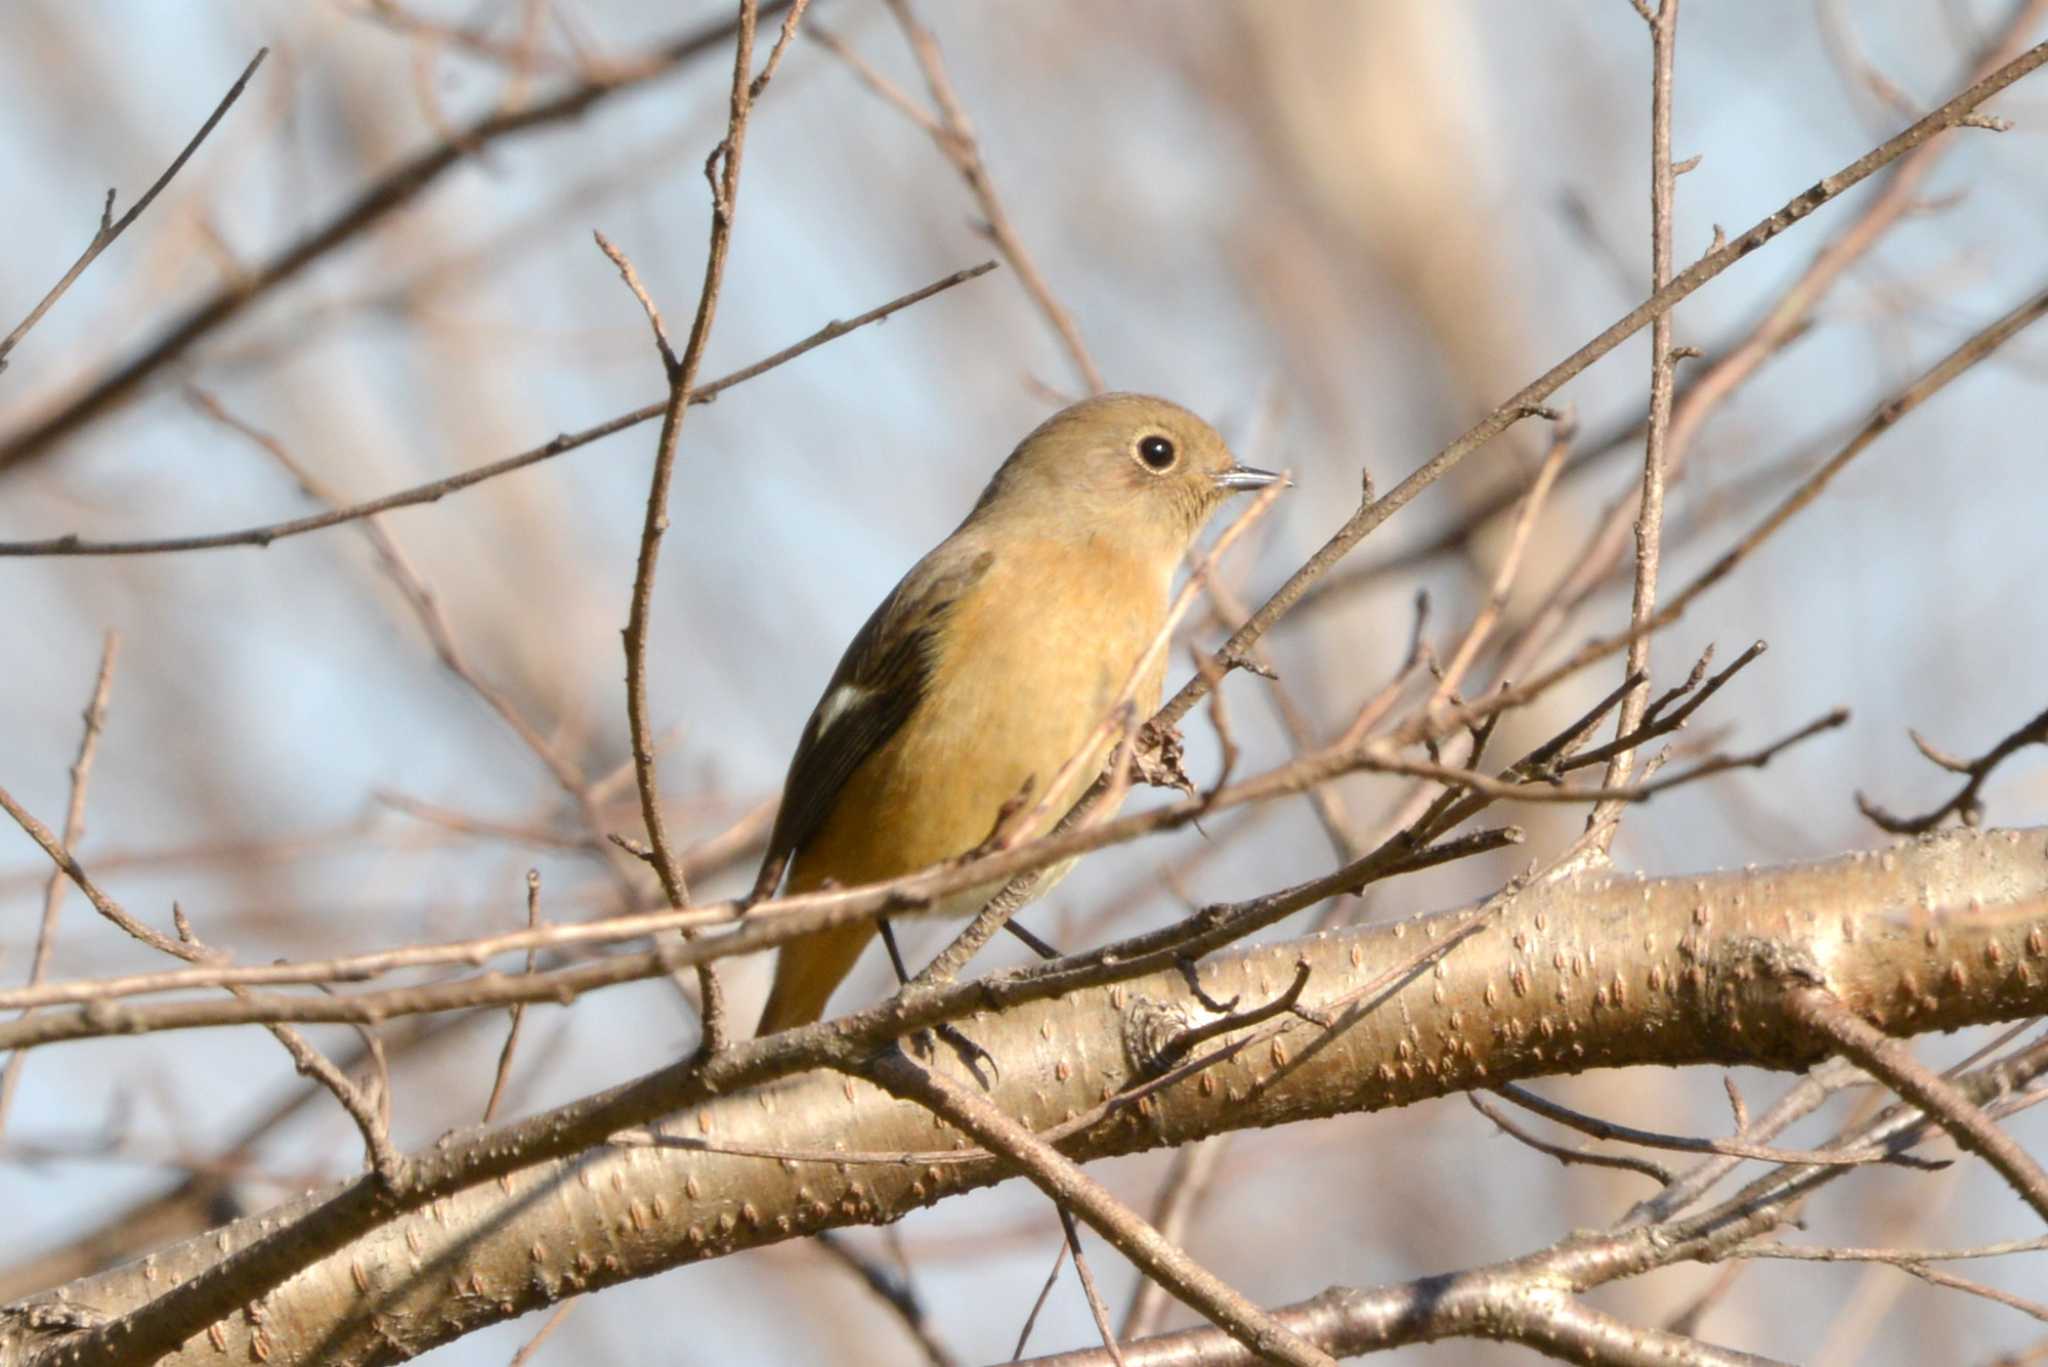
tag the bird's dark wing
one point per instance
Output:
(879, 683)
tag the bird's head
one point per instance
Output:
(1139, 472)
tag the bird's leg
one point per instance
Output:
(1042, 948)
(971, 1054)
(895, 952)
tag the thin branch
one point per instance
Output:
(1809, 1253)
(383, 1157)
(774, 922)
(669, 362)
(1893, 1063)
(1376, 760)
(775, 54)
(723, 171)
(1663, 370)
(1099, 1311)
(393, 191)
(1052, 1278)
(894, 1292)
(954, 136)
(1732, 1148)
(1656, 1172)
(74, 831)
(761, 926)
(1956, 363)
(1528, 400)
(1506, 575)
(1506, 1303)
(521, 58)
(426, 608)
(1789, 318)
(1966, 804)
(434, 490)
(60, 855)
(1497, 1301)
(1971, 1287)
(370, 1120)
(1063, 1180)
(540, 1335)
(370, 1114)
(111, 228)
(1187, 1184)
(518, 1008)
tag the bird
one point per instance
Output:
(991, 664)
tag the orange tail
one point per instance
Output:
(807, 971)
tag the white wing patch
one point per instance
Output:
(836, 705)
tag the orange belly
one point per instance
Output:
(1017, 707)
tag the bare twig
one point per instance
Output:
(1809, 1253)
(895, 1292)
(954, 136)
(540, 1335)
(1528, 400)
(1965, 804)
(74, 831)
(1663, 24)
(722, 170)
(1972, 1287)
(1733, 1148)
(1187, 1183)
(669, 361)
(521, 57)
(378, 201)
(1892, 1062)
(1099, 1311)
(1656, 1172)
(434, 490)
(1788, 318)
(518, 1008)
(60, 855)
(1052, 1279)
(775, 922)
(111, 227)
(1973, 350)
(1062, 1180)
(421, 599)
(383, 1157)
(370, 1121)
(1526, 516)
(1498, 1296)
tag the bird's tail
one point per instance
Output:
(807, 971)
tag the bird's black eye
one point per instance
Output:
(1158, 453)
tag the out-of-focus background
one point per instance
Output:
(1342, 230)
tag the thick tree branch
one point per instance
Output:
(1578, 974)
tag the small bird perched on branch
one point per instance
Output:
(991, 666)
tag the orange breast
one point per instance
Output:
(1028, 663)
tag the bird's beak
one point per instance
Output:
(1241, 477)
